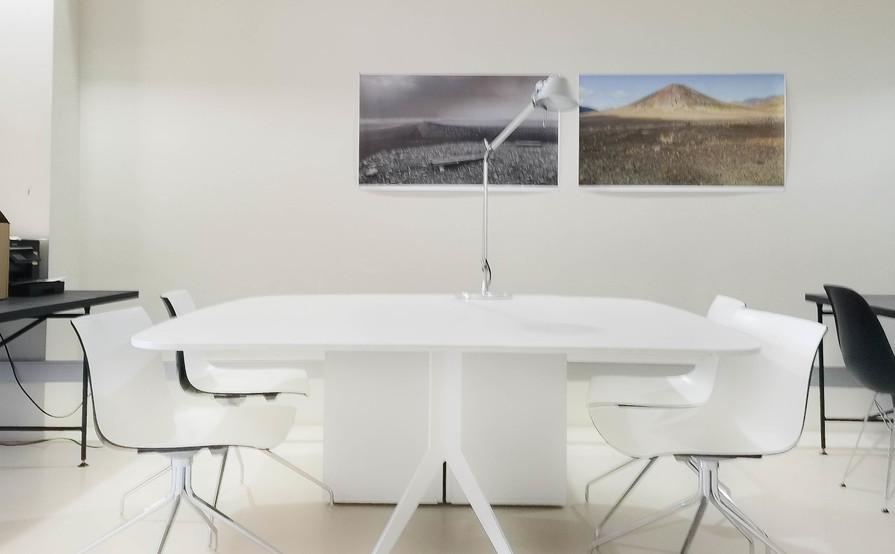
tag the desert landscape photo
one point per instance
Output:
(687, 130)
(428, 130)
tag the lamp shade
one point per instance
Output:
(554, 95)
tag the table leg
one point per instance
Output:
(445, 433)
(820, 385)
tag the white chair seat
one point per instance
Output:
(650, 432)
(195, 421)
(250, 377)
(637, 386)
(744, 415)
(204, 422)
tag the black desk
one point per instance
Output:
(58, 306)
(883, 305)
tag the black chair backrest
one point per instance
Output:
(865, 346)
(178, 357)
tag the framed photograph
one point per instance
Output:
(682, 131)
(427, 132)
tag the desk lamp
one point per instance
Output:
(551, 94)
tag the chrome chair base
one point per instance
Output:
(182, 492)
(709, 491)
(286, 463)
(602, 476)
(624, 494)
(888, 418)
(217, 492)
(282, 461)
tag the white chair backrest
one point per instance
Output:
(765, 394)
(131, 389)
(696, 385)
(179, 303)
(724, 309)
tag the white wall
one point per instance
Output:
(26, 57)
(39, 135)
(64, 259)
(219, 146)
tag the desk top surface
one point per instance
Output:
(426, 323)
(38, 306)
(882, 304)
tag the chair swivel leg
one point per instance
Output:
(281, 461)
(156, 506)
(709, 491)
(724, 492)
(199, 510)
(235, 526)
(890, 421)
(730, 511)
(217, 489)
(182, 490)
(624, 495)
(142, 484)
(189, 496)
(603, 476)
(242, 467)
(303, 473)
(643, 522)
(858, 441)
(167, 531)
(719, 497)
(694, 526)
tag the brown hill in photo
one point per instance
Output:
(676, 97)
(680, 102)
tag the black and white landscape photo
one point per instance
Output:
(429, 131)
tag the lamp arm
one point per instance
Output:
(489, 148)
(513, 125)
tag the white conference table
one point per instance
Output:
(446, 327)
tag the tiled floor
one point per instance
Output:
(50, 506)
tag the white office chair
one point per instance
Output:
(756, 408)
(136, 406)
(232, 380)
(623, 387)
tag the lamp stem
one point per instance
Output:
(486, 267)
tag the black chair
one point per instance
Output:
(869, 357)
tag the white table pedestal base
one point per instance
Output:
(445, 423)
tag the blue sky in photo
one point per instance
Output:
(612, 91)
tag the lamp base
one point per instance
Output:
(475, 296)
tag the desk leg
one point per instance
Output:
(85, 382)
(820, 385)
(445, 419)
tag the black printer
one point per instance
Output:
(26, 269)
(24, 260)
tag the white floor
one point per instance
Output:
(51, 506)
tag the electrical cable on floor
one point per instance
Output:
(15, 374)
